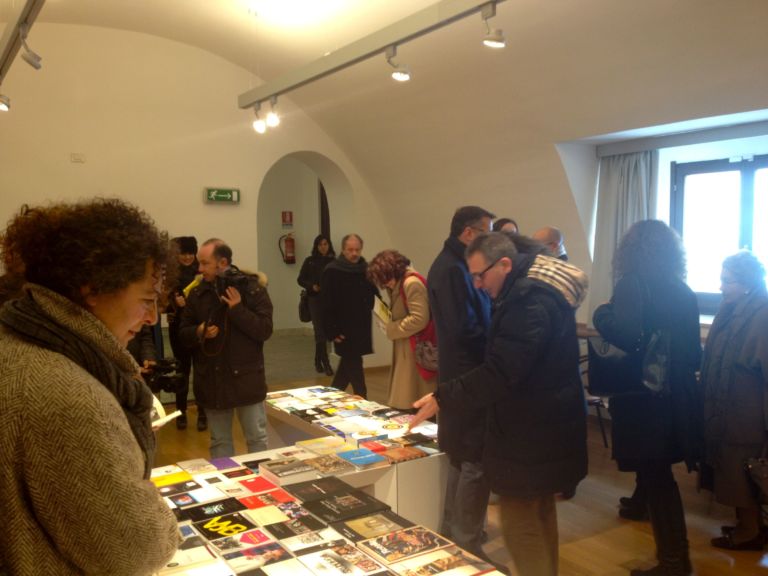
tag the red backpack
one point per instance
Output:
(424, 343)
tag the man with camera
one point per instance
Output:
(226, 320)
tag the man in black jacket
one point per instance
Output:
(226, 320)
(347, 300)
(529, 387)
(462, 316)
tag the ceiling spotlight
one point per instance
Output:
(272, 118)
(29, 56)
(259, 125)
(494, 37)
(5, 103)
(401, 73)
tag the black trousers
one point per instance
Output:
(350, 371)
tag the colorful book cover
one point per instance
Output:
(199, 496)
(318, 488)
(258, 484)
(403, 544)
(241, 541)
(208, 510)
(271, 498)
(378, 524)
(330, 465)
(292, 509)
(295, 527)
(413, 438)
(340, 560)
(197, 466)
(451, 561)
(345, 505)
(223, 526)
(380, 445)
(172, 478)
(238, 472)
(224, 463)
(322, 445)
(403, 453)
(363, 459)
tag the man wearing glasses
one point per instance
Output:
(462, 316)
(528, 386)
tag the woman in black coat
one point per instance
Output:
(735, 380)
(309, 279)
(652, 432)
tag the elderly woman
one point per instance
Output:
(77, 443)
(652, 432)
(409, 305)
(735, 380)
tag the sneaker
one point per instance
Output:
(181, 422)
(202, 424)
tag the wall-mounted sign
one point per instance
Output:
(222, 195)
(287, 219)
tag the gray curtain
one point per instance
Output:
(626, 193)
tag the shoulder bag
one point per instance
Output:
(304, 314)
(424, 343)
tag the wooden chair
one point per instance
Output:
(596, 402)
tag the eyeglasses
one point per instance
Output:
(481, 275)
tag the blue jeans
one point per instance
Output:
(466, 504)
(253, 421)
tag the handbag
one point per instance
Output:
(423, 343)
(304, 314)
(643, 370)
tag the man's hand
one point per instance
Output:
(210, 332)
(427, 406)
(180, 300)
(339, 338)
(316, 287)
(231, 297)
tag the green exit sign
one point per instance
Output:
(222, 195)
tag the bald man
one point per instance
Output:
(553, 239)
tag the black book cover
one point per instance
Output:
(312, 490)
(345, 505)
(210, 509)
(222, 526)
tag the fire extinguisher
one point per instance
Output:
(289, 251)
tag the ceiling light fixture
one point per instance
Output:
(273, 119)
(29, 56)
(259, 125)
(401, 72)
(494, 37)
(5, 103)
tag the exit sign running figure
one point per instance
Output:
(222, 195)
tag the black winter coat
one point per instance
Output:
(530, 388)
(646, 427)
(229, 369)
(312, 272)
(462, 316)
(347, 297)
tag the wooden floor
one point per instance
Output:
(593, 539)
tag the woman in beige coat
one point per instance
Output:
(409, 305)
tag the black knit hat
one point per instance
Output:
(187, 244)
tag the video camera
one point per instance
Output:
(165, 376)
(232, 276)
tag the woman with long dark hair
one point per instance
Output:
(653, 432)
(734, 375)
(309, 279)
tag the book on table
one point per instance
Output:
(403, 544)
(330, 465)
(340, 560)
(287, 470)
(344, 505)
(364, 459)
(450, 561)
(317, 488)
(372, 525)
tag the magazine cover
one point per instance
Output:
(223, 526)
(403, 544)
(330, 465)
(340, 560)
(373, 525)
(344, 505)
(241, 541)
(451, 561)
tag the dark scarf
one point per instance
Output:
(345, 265)
(28, 320)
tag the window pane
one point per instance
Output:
(760, 216)
(710, 225)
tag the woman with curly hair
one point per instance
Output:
(409, 304)
(74, 404)
(652, 432)
(735, 379)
